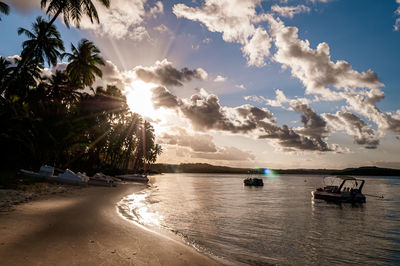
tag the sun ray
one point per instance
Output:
(139, 98)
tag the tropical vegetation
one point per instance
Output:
(55, 116)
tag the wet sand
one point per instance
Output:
(83, 228)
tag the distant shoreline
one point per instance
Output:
(214, 169)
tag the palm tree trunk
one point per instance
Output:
(56, 15)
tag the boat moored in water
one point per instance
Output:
(341, 189)
(253, 181)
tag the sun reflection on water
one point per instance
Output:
(135, 207)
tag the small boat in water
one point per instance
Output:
(134, 177)
(341, 189)
(253, 181)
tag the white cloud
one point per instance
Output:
(206, 40)
(158, 8)
(161, 28)
(314, 68)
(220, 78)
(235, 19)
(290, 11)
(396, 25)
(124, 19)
(241, 86)
(257, 48)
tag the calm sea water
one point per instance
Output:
(276, 224)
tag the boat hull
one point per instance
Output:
(256, 182)
(38, 176)
(339, 197)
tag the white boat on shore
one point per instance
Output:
(134, 177)
(100, 179)
(46, 173)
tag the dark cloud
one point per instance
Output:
(292, 141)
(314, 124)
(310, 137)
(163, 98)
(362, 133)
(206, 113)
(165, 74)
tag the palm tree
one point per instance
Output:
(44, 42)
(83, 61)
(72, 10)
(60, 89)
(27, 78)
(4, 70)
(4, 8)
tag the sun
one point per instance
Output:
(139, 98)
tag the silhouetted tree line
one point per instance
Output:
(60, 119)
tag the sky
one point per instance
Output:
(250, 83)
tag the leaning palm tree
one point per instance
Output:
(44, 42)
(72, 10)
(83, 63)
(4, 8)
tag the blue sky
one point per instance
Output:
(257, 49)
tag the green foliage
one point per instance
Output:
(83, 63)
(4, 8)
(51, 120)
(44, 42)
(73, 10)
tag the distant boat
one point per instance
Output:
(100, 179)
(253, 181)
(341, 189)
(134, 177)
(46, 173)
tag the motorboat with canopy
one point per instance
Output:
(341, 189)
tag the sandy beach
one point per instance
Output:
(82, 227)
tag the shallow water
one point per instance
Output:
(276, 224)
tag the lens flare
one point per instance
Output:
(270, 173)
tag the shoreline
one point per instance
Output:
(84, 227)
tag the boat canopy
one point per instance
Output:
(344, 183)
